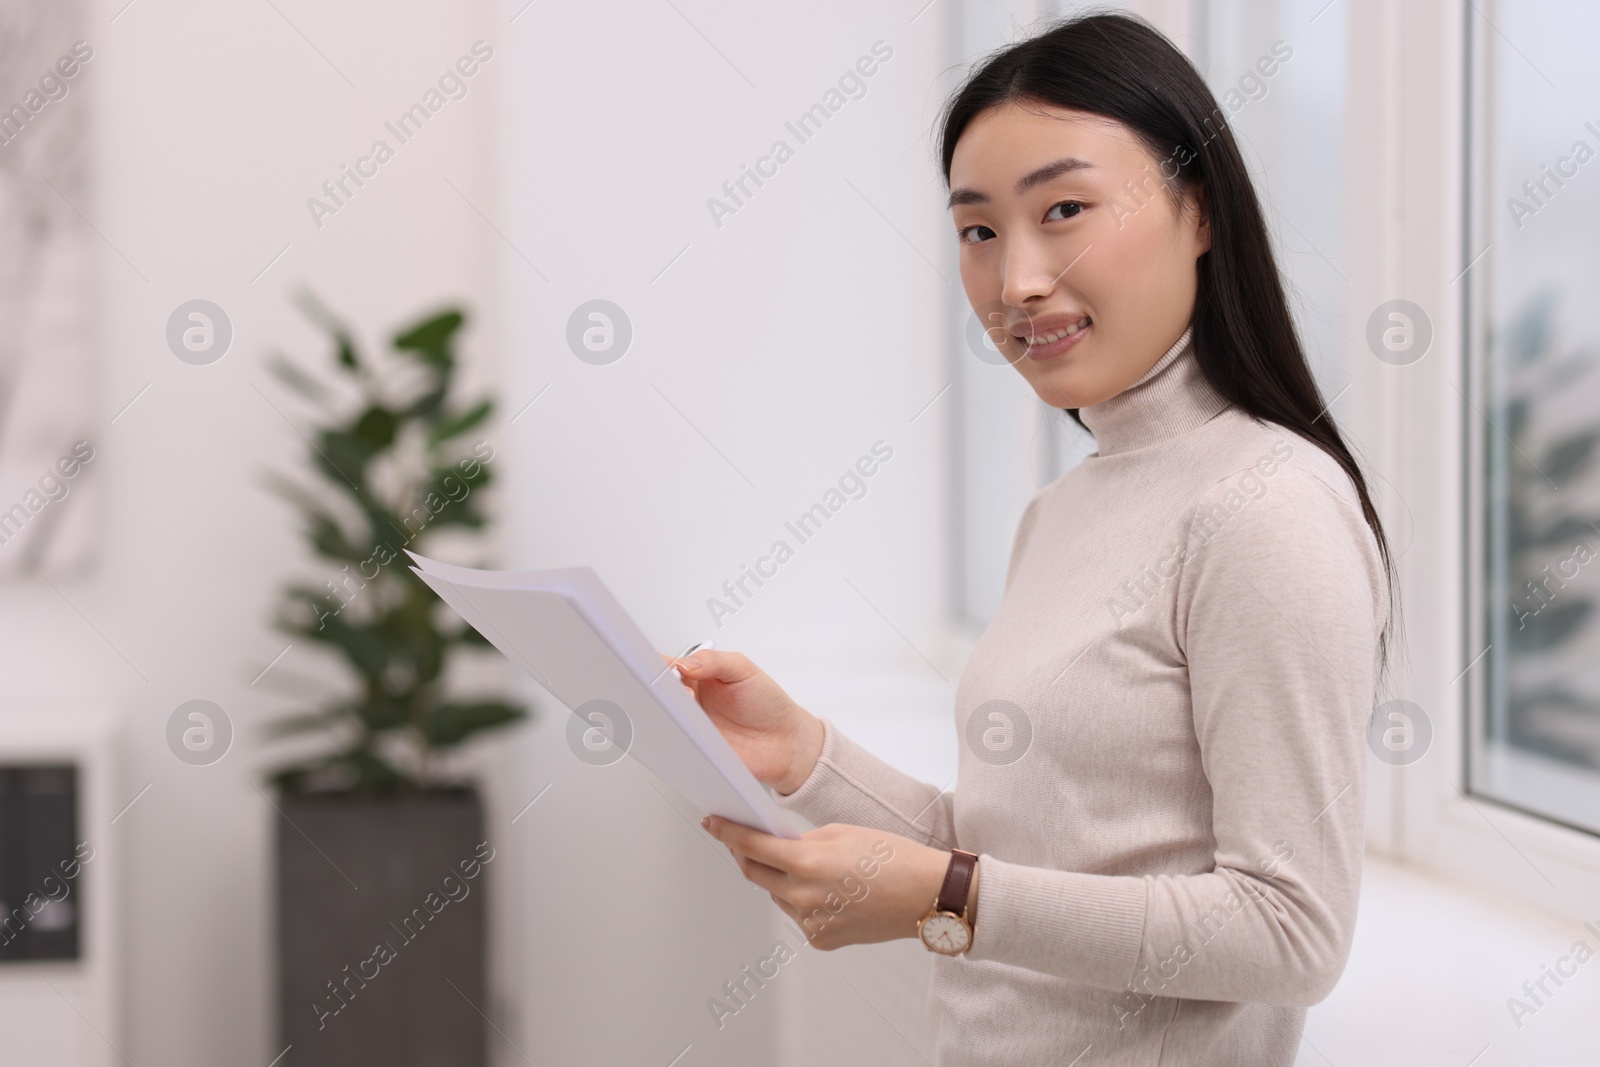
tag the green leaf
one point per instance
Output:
(292, 376)
(347, 351)
(384, 527)
(329, 539)
(416, 643)
(430, 339)
(450, 724)
(469, 635)
(469, 470)
(360, 644)
(344, 348)
(448, 498)
(376, 429)
(460, 424)
(380, 712)
(426, 405)
(344, 457)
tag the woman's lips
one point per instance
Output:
(1050, 351)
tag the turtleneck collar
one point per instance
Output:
(1169, 399)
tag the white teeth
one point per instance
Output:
(1056, 335)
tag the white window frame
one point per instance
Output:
(1406, 208)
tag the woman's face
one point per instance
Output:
(1065, 224)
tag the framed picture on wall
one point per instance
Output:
(49, 433)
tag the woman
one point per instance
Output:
(1164, 760)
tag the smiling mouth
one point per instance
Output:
(1044, 340)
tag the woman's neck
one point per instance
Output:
(1169, 399)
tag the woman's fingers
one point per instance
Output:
(771, 879)
(769, 850)
(750, 852)
(674, 661)
(709, 664)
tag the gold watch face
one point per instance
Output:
(945, 932)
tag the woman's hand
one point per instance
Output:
(775, 737)
(843, 884)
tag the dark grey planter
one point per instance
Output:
(381, 920)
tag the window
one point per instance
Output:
(1009, 444)
(1277, 69)
(1534, 436)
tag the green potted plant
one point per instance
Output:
(380, 850)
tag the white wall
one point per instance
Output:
(768, 355)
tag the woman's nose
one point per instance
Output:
(1034, 267)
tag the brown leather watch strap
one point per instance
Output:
(957, 880)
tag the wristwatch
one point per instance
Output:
(947, 929)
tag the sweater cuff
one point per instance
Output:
(1085, 928)
(816, 782)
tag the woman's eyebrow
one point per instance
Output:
(1061, 166)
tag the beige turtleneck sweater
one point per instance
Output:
(1162, 749)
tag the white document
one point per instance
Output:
(565, 629)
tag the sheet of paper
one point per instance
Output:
(567, 632)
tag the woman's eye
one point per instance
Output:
(978, 232)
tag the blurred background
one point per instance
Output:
(531, 284)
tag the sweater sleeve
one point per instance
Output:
(851, 785)
(1279, 606)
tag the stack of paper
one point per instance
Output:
(565, 629)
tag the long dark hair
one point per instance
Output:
(1244, 337)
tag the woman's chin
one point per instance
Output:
(1061, 388)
